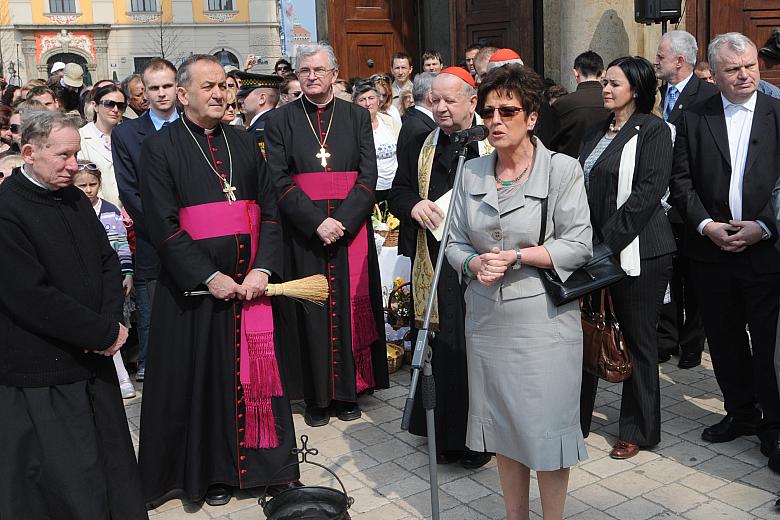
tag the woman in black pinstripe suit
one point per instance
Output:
(627, 162)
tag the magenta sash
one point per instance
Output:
(336, 186)
(259, 374)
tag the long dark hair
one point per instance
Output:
(102, 92)
(641, 77)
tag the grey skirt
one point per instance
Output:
(525, 369)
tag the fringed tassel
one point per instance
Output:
(364, 334)
(263, 365)
(260, 425)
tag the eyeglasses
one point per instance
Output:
(320, 72)
(90, 166)
(382, 77)
(15, 128)
(506, 112)
(110, 104)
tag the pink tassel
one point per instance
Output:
(260, 425)
(252, 434)
(264, 368)
(363, 335)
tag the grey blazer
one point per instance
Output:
(477, 226)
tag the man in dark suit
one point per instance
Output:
(159, 77)
(680, 328)
(725, 168)
(419, 118)
(261, 95)
(583, 107)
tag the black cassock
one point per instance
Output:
(318, 341)
(449, 345)
(193, 414)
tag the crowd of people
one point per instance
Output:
(172, 199)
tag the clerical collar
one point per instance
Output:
(198, 129)
(31, 178)
(323, 105)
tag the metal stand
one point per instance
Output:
(423, 352)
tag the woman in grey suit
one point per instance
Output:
(627, 162)
(524, 353)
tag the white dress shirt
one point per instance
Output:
(739, 122)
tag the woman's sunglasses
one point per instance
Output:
(88, 166)
(507, 112)
(231, 105)
(15, 128)
(111, 104)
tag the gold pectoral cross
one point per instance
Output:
(230, 191)
(324, 156)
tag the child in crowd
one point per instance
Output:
(88, 180)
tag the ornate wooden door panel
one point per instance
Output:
(366, 33)
(501, 23)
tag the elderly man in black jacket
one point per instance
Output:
(64, 441)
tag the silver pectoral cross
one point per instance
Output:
(230, 191)
(324, 156)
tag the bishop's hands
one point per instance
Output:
(225, 288)
(330, 230)
(254, 284)
(427, 214)
(734, 236)
(490, 267)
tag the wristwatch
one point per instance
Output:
(519, 262)
(765, 235)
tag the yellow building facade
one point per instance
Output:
(114, 38)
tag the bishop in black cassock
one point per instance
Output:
(323, 164)
(199, 428)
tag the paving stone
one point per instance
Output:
(767, 511)
(445, 472)
(598, 497)
(762, 478)
(403, 488)
(372, 435)
(572, 507)
(465, 489)
(636, 509)
(630, 484)
(419, 505)
(702, 483)
(725, 467)
(716, 510)
(743, 496)
(688, 453)
(679, 425)
(491, 506)
(367, 499)
(384, 474)
(665, 470)
(590, 514)
(390, 450)
(606, 467)
(385, 512)
(676, 497)
(462, 512)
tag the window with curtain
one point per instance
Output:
(62, 6)
(220, 5)
(143, 6)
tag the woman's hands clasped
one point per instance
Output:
(492, 266)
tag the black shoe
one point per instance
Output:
(777, 503)
(316, 416)
(218, 495)
(474, 459)
(689, 359)
(348, 411)
(280, 488)
(728, 429)
(664, 356)
(448, 457)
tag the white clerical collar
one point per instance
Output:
(209, 131)
(318, 105)
(681, 85)
(749, 105)
(31, 179)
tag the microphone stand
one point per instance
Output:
(423, 352)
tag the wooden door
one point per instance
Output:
(499, 23)
(366, 33)
(756, 19)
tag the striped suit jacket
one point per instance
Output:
(642, 214)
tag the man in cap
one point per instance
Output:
(260, 93)
(322, 157)
(72, 77)
(57, 71)
(426, 167)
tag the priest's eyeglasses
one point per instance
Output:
(320, 72)
(507, 112)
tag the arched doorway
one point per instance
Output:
(226, 57)
(69, 57)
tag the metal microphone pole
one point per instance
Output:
(423, 352)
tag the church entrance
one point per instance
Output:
(69, 57)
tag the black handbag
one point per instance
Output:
(601, 271)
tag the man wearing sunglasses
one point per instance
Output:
(453, 99)
(159, 80)
(260, 93)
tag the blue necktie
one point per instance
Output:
(671, 98)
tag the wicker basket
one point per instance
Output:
(391, 238)
(395, 357)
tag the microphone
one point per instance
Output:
(475, 133)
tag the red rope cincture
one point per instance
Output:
(286, 193)
(367, 189)
(172, 235)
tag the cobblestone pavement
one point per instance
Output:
(385, 469)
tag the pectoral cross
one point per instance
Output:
(324, 156)
(230, 191)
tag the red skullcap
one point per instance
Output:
(505, 55)
(461, 73)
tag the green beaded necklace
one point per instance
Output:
(511, 181)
